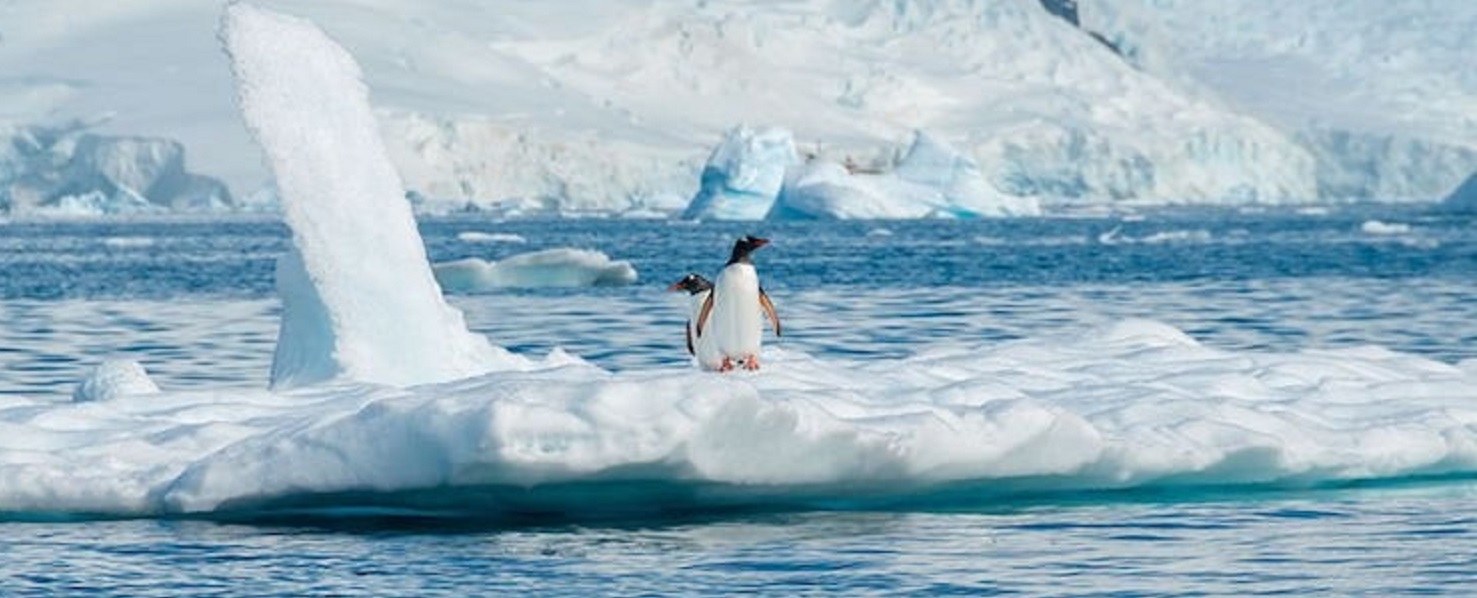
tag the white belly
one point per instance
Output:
(704, 348)
(736, 322)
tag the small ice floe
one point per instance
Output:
(472, 236)
(128, 242)
(559, 267)
(1377, 227)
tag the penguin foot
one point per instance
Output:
(726, 366)
(752, 363)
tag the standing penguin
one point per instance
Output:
(704, 349)
(731, 313)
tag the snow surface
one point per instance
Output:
(353, 234)
(558, 267)
(520, 110)
(1136, 403)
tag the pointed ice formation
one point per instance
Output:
(359, 299)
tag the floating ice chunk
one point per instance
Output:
(359, 299)
(473, 236)
(560, 267)
(743, 175)
(112, 379)
(128, 242)
(1377, 227)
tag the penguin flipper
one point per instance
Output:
(774, 318)
(703, 313)
(688, 328)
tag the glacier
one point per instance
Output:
(432, 419)
(520, 112)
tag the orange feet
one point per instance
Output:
(752, 363)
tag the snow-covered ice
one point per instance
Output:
(388, 392)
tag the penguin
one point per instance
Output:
(731, 312)
(704, 350)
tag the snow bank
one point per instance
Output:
(359, 300)
(559, 267)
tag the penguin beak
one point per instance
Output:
(676, 286)
(758, 242)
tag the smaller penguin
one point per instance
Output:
(698, 288)
(731, 314)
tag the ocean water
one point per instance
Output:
(193, 301)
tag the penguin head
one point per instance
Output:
(692, 283)
(744, 246)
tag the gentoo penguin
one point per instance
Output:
(731, 313)
(705, 350)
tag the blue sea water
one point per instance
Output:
(193, 301)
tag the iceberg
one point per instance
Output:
(559, 267)
(756, 175)
(744, 175)
(932, 180)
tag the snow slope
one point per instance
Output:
(520, 108)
